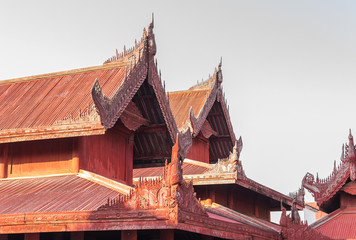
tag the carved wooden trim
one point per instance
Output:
(324, 189)
(132, 117)
(206, 130)
(231, 164)
(155, 81)
(168, 191)
(293, 228)
(216, 94)
(110, 109)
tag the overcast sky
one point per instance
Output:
(288, 66)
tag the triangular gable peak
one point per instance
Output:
(325, 191)
(203, 109)
(140, 104)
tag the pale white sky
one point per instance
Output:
(289, 66)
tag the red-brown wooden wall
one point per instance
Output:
(33, 158)
(199, 150)
(237, 198)
(109, 155)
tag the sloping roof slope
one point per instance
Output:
(340, 224)
(182, 101)
(52, 194)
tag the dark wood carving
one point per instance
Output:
(155, 81)
(110, 109)
(168, 191)
(216, 94)
(132, 117)
(324, 189)
(293, 228)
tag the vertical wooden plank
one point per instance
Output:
(129, 235)
(3, 160)
(129, 160)
(166, 234)
(77, 235)
(32, 236)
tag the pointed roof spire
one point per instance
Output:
(220, 64)
(152, 23)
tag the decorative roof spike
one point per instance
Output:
(351, 149)
(117, 53)
(317, 177)
(334, 166)
(144, 32)
(220, 64)
(152, 23)
(124, 50)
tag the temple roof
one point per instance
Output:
(57, 193)
(182, 101)
(215, 174)
(338, 225)
(325, 191)
(84, 101)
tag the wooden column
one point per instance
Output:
(3, 237)
(32, 236)
(129, 235)
(77, 235)
(129, 160)
(166, 234)
(3, 160)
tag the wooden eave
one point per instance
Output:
(51, 132)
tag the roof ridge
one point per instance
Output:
(134, 53)
(189, 90)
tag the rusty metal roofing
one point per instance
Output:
(48, 99)
(181, 102)
(231, 215)
(52, 194)
(340, 224)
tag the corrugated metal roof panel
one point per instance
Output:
(52, 194)
(241, 218)
(41, 101)
(338, 225)
(181, 102)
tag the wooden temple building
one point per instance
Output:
(336, 195)
(106, 153)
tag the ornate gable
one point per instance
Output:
(325, 189)
(168, 191)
